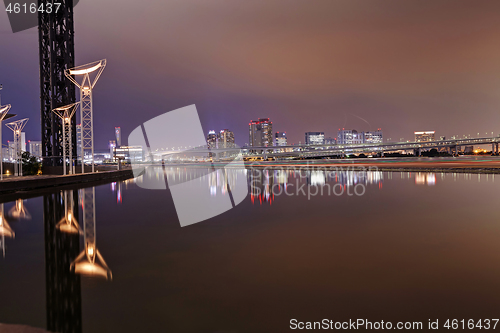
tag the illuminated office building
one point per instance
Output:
(347, 137)
(35, 148)
(280, 139)
(212, 140)
(23, 141)
(225, 139)
(373, 136)
(261, 133)
(424, 136)
(130, 153)
(315, 138)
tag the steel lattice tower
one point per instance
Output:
(57, 53)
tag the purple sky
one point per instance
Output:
(308, 65)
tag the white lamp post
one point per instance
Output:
(17, 127)
(86, 86)
(66, 113)
(3, 114)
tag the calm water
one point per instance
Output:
(404, 247)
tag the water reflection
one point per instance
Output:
(19, 211)
(90, 262)
(427, 178)
(117, 187)
(261, 182)
(63, 263)
(63, 289)
(72, 253)
(266, 184)
(5, 230)
(68, 223)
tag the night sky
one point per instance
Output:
(309, 65)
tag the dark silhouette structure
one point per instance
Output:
(57, 53)
(63, 288)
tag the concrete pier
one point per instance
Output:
(15, 184)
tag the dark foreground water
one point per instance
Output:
(403, 247)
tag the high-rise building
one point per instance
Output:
(424, 136)
(225, 139)
(261, 133)
(373, 136)
(347, 137)
(79, 141)
(118, 135)
(280, 139)
(35, 148)
(315, 138)
(23, 141)
(212, 140)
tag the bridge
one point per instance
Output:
(303, 151)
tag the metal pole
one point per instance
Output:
(64, 146)
(1, 140)
(16, 167)
(92, 125)
(82, 146)
(70, 150)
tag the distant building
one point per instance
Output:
(424, 136)
(315, 138)
(112, 146)
(373, 137)
(35, 148)
(280, 139)
(130, 153)
(225, 139)
(118, 135)
(211, 140)
(330, 141)
(260, 133)
(23, 141)
(12, 150)
(442, 138)
(347, 137)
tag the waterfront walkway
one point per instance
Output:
(27, 183)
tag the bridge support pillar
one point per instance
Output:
(419, 152)
(493, 152)
(382, 154)
(496, 150)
